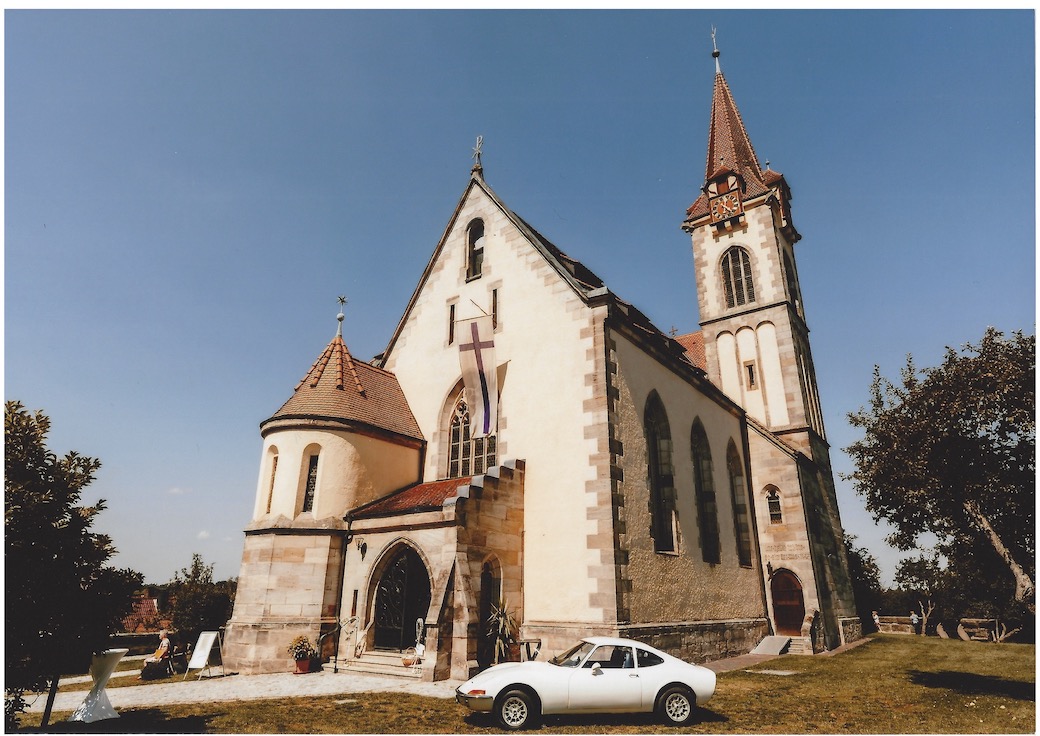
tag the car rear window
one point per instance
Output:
(647, 659)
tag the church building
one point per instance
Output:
(530, 441)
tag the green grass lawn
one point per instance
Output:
(895, 684)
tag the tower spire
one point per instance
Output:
(729, 147)
(339, 317)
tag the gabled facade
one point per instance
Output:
(627, 489)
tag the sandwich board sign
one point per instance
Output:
(200, 655)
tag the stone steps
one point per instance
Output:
(800, 645)
(385, 663)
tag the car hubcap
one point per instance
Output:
(677, 707)
(514, 711)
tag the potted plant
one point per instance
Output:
(302, 651)
(502, 628)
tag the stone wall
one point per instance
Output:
(287, 587)
(701, 641)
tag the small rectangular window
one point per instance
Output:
(494, 308)
(751, 376)
(451, 324)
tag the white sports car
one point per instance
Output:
(598, 675)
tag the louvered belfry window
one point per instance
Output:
(468, 456)
(736, 277)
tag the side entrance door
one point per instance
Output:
(788, 603)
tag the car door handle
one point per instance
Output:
(634, 675)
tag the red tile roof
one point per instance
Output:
(693, 344)
(422, 497)
(338, 388)
(730, 149)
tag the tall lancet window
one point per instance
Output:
(659, 475)
(475, 249)
(741, 523)
(311, 483)
(704, 492)
(468, 456)
(736, 277)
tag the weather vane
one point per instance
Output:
(339, 317)
(715, 53)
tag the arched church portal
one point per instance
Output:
(402, 596)
(788, 603)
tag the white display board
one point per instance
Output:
(200, 654)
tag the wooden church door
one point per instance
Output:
(402, 596)
(788, 603)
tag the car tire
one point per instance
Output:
(516, 709)
(676, 706)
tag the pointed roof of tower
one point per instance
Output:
(341, 390)
(729, 146)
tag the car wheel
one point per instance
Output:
(515, 710)
(676, 706)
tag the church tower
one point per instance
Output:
(756, 340)
(756, 348)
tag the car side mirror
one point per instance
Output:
(596, 668)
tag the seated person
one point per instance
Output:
(158, 664)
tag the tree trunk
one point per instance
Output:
(926, 611)
(1024, 589)
(50, 702)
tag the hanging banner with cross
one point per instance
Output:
(479, 376)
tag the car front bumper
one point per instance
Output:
(481, 703)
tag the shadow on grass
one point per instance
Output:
(140, 720)
(597, 722)
(967, 683)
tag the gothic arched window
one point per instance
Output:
(474, 249)
(466, 455)
(659, 475)
(776, 512)
(740, 509)
(736, 277)
(704, 492)
(310, 480)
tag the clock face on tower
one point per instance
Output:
(725, 206)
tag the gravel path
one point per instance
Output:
(251, 687)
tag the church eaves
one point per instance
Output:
(339, 390)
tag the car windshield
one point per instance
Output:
(573, 656)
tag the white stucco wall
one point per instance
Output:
(543, 359)
(352, 469)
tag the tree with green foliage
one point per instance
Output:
(197, 602)
(865, 577)
(951, 451)
(925, 579)
(62, 601)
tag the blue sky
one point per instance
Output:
(187, 193)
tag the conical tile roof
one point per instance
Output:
(339, 389)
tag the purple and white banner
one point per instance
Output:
(479, 376)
